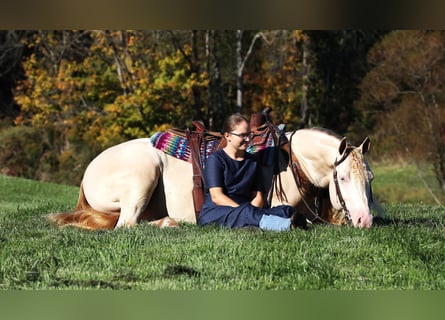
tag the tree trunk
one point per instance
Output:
(304, 114)
(239, 70)
(195, 68)
(216, 110)
(241, 63)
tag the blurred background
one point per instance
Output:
(65, 95)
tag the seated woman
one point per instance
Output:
(233, 197)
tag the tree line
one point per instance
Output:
(68, 94)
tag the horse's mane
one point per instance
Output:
(326, 131)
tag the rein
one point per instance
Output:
(294, 166)
(337, 185)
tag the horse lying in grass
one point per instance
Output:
(134, 181)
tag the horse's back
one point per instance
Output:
(122, 173)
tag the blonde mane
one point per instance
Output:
(358, 165)
(326, 131)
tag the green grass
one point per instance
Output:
(396, 183)
(403, 251)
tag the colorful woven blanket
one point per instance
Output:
(178, 146)
(264, 150)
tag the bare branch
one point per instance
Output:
(249, 51)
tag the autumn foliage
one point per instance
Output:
(404, 93)
(70, 94)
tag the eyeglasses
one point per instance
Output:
(244, 136)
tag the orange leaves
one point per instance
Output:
(281, 76)
(112, 108)
(406, 87)
(123, 84)
(405, 63)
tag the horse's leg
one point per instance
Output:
(136, 199)
(129, 215)
(131, 220)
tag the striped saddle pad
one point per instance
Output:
(178, 146)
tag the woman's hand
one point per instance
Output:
(220, 199)
(258, 200)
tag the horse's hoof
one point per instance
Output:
(168, 223)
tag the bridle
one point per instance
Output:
(278, 136)
(346, 153)
(337, 185)
(293, 164)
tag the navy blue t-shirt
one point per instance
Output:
(239, 179)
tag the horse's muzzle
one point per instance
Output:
(363, 220)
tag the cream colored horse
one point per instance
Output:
(320, 158)
(134, 181)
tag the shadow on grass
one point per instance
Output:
(176, 270)
(95, 284)
(408, 221)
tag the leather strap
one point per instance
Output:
(196, 139)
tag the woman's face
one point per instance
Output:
(239, 137)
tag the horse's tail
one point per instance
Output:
(84, 216)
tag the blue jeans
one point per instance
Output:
(274, 223)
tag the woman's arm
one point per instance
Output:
(220, 199)
(258, 200)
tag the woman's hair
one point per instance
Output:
(232, 121)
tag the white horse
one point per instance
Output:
(133, 181)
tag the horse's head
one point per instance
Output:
(350, 185)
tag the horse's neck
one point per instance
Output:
(315, 152)
(317, 172)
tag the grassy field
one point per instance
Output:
(400, 183)
(405, 250)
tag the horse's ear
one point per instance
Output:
(342, 146)
(366, 144)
